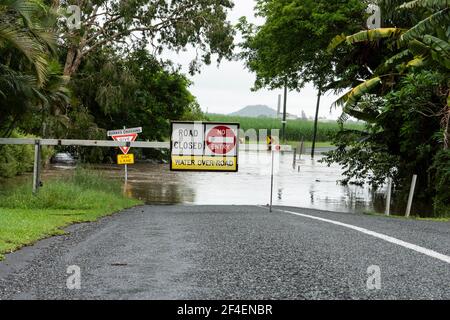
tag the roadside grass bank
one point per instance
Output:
(392, 216)
(85, 196)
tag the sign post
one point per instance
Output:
(204, 146)
(277, 148)
(125, 135)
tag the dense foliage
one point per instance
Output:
(290, 48)
(399, 75)
(60, 78)
(405, 102)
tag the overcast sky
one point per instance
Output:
(226, 88)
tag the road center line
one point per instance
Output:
(428, 252)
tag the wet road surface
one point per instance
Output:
(232, 252)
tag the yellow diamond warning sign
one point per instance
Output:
(200, 146)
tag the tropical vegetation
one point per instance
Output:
(398, 75)
(63, 76)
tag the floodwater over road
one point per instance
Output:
(314, 185)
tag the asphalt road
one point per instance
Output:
(210, 252)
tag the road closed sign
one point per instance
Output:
(200, 146)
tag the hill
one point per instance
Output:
(255, 112)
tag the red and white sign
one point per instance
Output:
(221, 140)
(130, 137)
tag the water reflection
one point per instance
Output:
(313, 186)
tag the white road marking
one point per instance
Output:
(428, 252)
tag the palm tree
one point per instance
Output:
(27, 77)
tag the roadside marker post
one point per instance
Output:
(388, 197)
(295, 158)
(301, 148)
(411, 196)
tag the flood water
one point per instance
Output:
(313, 186)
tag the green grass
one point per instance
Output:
(418, 218)
(295, 130)
(84, 197)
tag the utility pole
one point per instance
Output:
(279, 106)
(284, 112)
(319, 94)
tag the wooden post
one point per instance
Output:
(295, 158)
(411, 196)
(388, 197)
(302, 148)
(36, 167)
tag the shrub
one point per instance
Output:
(18, 159)
(441, 166)
(83, 191)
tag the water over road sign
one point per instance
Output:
(200, 146)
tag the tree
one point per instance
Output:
(289, 50)
(161, 24)
(135, 90)
(426, 43)
(290, 47)
(404, 100)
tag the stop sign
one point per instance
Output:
(221, 140)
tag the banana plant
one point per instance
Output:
(425, 43)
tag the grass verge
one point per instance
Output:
(437, 219)
(84, 197)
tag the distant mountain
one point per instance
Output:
(256, 111)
